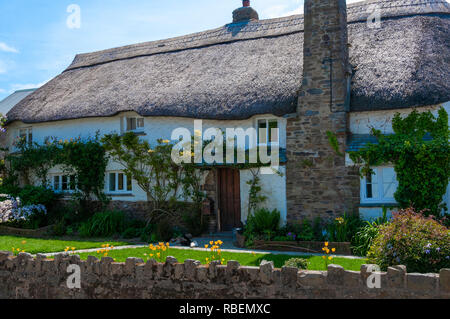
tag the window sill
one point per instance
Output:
(136, 133)
(120, 194)
(378, 204)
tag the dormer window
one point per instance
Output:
(268, 132)
(134, 124)
(26, 134)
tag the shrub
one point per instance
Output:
(132, 232)
(35, 195)
(306, 231)
(104, 224)
(164, 230)
(193, 221)
(263, 222)
(299, 263)
(363, 239)
(344, 228)
(420, 243)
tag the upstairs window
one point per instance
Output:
(63, 183)
(268, 132)
(134, 124)
(118, 182)
(380, 186)
(26, 134)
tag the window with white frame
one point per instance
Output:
(63, 183)
(268, 131)
(119, 182)
(380, 186)
(26, 133)
(133, 124)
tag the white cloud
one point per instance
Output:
(6, 48)
(2, 91)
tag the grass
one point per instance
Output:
(245, 259)
(34, 246)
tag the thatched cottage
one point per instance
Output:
(336, 68)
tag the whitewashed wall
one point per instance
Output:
(273, 187)
(155, 128)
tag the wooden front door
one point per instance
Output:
(229, 198)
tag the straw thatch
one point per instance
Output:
(244, 69)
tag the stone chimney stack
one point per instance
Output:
(245, 13)
(317, 181)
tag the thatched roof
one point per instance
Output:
(244, 69)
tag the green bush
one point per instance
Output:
(342, 229)
(193, 221)
(299, 263)
(263, 223)
(164, 231)
(363, 239)
(35, 195)
(132, 232)
(420, 243)
(306, 231)
(104, 224)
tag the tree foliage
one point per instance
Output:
(420, 153)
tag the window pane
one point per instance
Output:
(131, 124)
(121, 182)
(56, 182)
(65, 183)
(262, 131)
(112, 182)
(389, 182)
(273, 131)
(140, 123)
(129, 183)
(30, 136)
(372, 185)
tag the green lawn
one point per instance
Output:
(246, 259)
(34, 246)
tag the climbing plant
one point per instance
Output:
(254, 196)
(151, 167)
(419, 149)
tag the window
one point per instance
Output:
(380, 186)
(134, 124)
(27, 134)
(63, 183)
(268, 132)
(118, 182)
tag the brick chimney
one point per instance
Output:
(318, 182)
(245, 13)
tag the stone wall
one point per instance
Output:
(28, 277)
(318, 182)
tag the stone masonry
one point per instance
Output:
(27, 277)
(318, 183)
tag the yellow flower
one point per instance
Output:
(167, 244)
(211, 243)
(98, 251)
(166, 141)
(330, 258)
(158, 254)
(73, 248)
(326, 244)
(253, 253)
(324, 257)
(24, 242)
(333, 249)
(206, 246)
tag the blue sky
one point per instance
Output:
(36, 44)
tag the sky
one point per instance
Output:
(40, 38)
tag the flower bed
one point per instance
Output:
(32, 233)
(342, 248)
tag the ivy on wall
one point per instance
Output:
(420, 153)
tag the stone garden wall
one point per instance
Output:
(28, 277)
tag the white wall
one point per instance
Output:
(273, 187)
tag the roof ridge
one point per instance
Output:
(254, 30)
